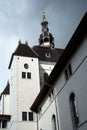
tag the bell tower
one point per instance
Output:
(46, 39)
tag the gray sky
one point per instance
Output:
(21, 19)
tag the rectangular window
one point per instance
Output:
(69, 69)
(24, 116)
(30, 116)
(68, 72)
(23, 74)
(28, 75)
(4, 124)
(0, 123)
(74, 110)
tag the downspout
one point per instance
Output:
(56, 113)
(37, 122)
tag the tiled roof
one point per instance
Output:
(47, 53)
(6, 90)
(5, 117)
(70, 49)
(23, 50)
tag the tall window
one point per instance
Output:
(30, 116)
(23, 75)
(54, 122)
(28, 75)
(3, 124)
(68, 72)
(74, 110)
(24, 116)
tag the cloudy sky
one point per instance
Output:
(21, 19)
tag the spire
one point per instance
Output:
(46, 39)
(43, 15)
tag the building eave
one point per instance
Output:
(41, 96)
(5, 117)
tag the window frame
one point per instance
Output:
(74, 110)
(68, 71)
(28, 75)
(24, 116)
(54, 124)
(30, 116)
(23, 75)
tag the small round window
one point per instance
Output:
(48, 55)
(26, 66)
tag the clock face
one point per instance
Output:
(26, 66)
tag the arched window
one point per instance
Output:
(46, 39)
(54, 122)
(74, 110)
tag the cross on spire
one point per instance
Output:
(43, 15)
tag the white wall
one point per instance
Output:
(76, 84)
(45, 121)
(4, 104)
(23, 91)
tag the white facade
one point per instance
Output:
(77, 85)
(23, 91)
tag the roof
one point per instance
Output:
(23, 50)
(70, 49)
(47, 53)
(6, 90)
(44, 91)
(5, 117)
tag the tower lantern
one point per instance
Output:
(46, 39)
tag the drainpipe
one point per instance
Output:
(37, 122)
(56, 113)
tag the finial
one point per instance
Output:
(19, 41)
(43, 15)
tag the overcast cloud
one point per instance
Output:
(21, 19)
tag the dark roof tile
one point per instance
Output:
(23, 50)
(48, 54)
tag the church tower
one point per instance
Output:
(46, 39)
(24, 87)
